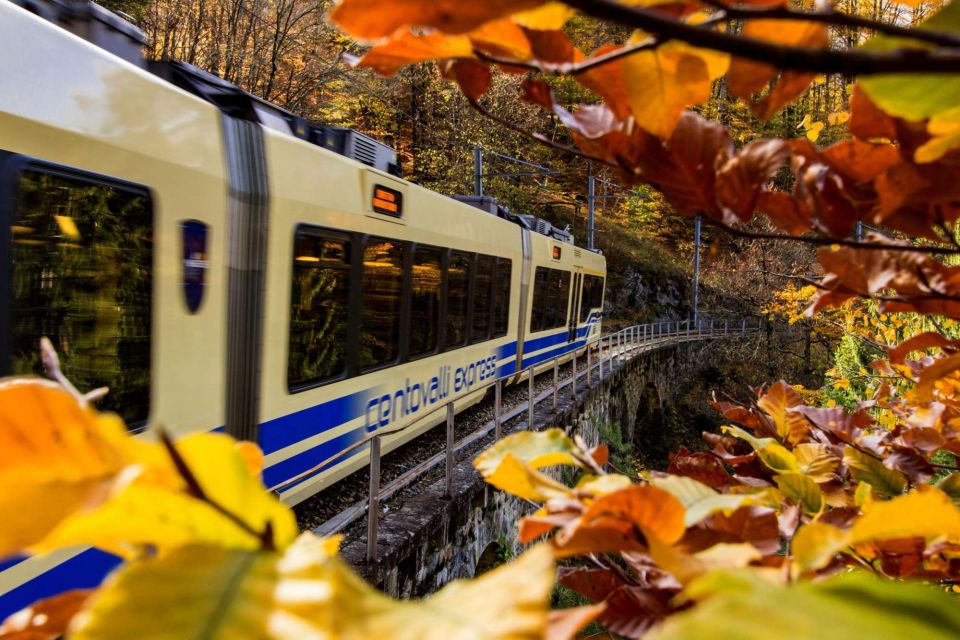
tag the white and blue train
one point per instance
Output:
(222, 264)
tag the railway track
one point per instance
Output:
(342, 507)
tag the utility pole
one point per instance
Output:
(478, 170)
(591, 197)
(696, 270)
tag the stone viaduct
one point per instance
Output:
(431, 539)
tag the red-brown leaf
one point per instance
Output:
(472, 76)
(755, 525)
(743, 177)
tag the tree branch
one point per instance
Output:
(536, 136)
(572, 68)
(838, 19)
(789, 58)
(821, 241)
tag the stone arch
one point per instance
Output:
(491, 558)
(648, 438)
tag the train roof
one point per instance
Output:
(118, 36)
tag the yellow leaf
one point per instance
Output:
(602, 485)
(511, 464)
(698, 499)
(145, 513)
(815, 545)
(663, 81)
(536, 448)
(802, 490)
(816, 461)
(927, 514)
(688, 567)
(863, 497)
(838, 118)
(550, 16)
(842, 383)
(307, 592)
(521, 480)
(56, 458)
(813, 133)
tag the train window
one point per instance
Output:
(458, 281)
(425, 301)
(319, 307)
(551, 293)
(482, 298)
(82, 256)
(381, 303)
(592, 296)
(501, 297)
(560, 286)
(541, 292)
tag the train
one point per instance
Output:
(223, 264)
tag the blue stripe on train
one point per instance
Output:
(290, 429)
(6, 563)
(83, 571)
(286, 469)
(553, 353)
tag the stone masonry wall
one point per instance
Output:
(430, 540)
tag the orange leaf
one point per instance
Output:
(614, 522)
(607, 82)
(407, 48)
(920, 342)
(867, 120)
(372, 19)
(563, 624)
(747, 77)
(663, 81)
(502, 38)
(776, 402)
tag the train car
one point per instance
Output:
(222, 264)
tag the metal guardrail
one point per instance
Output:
(604, 355)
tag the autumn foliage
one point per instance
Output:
(801, 519)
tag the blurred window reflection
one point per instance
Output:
(82, 259)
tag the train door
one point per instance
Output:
(574, 307)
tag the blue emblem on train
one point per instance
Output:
(194, 262)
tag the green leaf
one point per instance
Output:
(850, 606)
(802, 490)
(756, 443)
(866, 468)
(773, 454)
(910, 95)
(778, 458)
(951, 486)
(698, 499)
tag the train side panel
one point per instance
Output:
(320, 197)
(91, 129)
